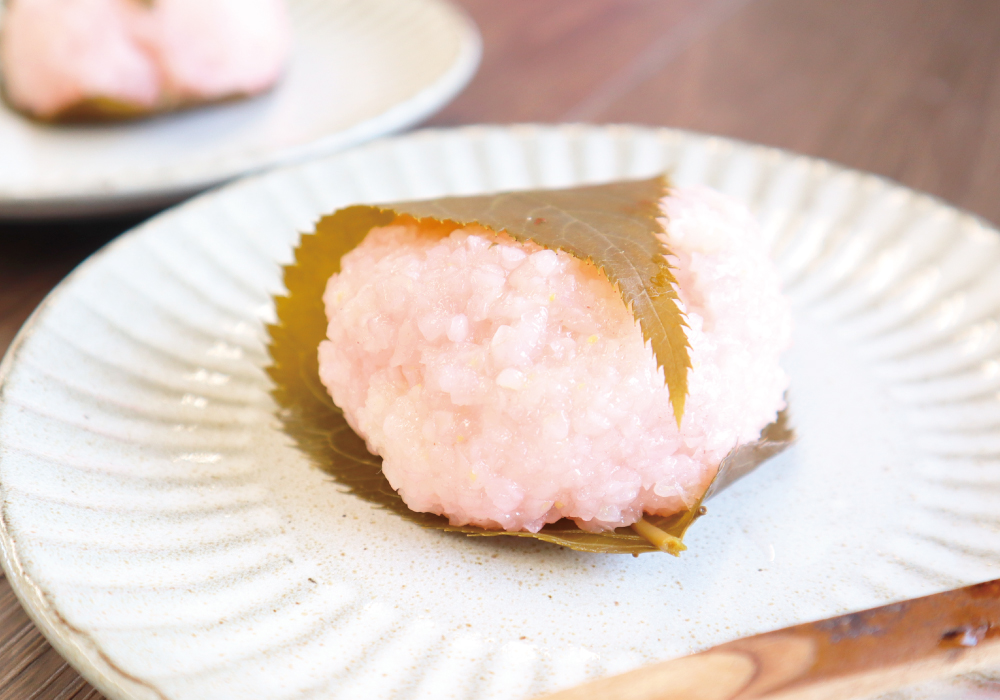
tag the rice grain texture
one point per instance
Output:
(508, 386)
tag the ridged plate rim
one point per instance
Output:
(77, 647)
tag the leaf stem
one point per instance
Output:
(662, 540)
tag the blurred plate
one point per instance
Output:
(171, 543)
(359, 69)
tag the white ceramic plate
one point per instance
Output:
(359, 69)
(169, 541)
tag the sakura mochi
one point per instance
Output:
(65, 59)
(507, 386)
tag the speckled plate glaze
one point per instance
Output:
(170, 541)
(359, 69)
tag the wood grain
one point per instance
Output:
(840, 658)
(541, 59)
(906, 88)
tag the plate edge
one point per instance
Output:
(392, 121)
(76, 645)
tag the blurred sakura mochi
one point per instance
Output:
(113, 59)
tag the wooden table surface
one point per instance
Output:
(909, 89)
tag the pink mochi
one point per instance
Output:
(507, 386)
(148, 55)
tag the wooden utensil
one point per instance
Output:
(851, 656)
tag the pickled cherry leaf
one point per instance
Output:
(617, 228)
